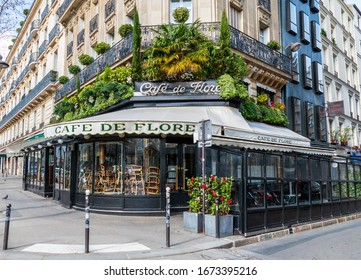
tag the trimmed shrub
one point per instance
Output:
(274, 45)
(101, 47)
(74, 69)
(63, 79)
(250, 111)
(85, 59)
(181, 15)
(125, 29)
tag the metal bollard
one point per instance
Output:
(87, 220)
(217, 218)
(167, 216)
(7, 225)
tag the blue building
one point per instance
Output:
(303, 96)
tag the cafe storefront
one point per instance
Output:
(128, 157)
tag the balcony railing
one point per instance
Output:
(54, 32)
(33, 58)
(35, 24)
(50, 78)
(94, 24)
(43, 47)
(119, 51)
(22, 75)
(252, 47)
(109, 8)
(44, 13)
(24, 47)
(65, 11)
(265, 4)
(63, 8)
(123, 48)
(69, 49)
(80, 37)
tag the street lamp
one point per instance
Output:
(3, 64)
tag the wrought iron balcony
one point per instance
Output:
(34, 28)
(24, 47)
(54, 32)
(94, 23)
(33, 59)
(254, 48)
(43, 47)
(80, 37)
(118, 52)
(64, 12)
(44, 13)
(49, 79)
(69, 49)
(12, 87)
(265, 4)
(22, 75)
(109, 8)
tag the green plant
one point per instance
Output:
(181, 14)
(74, 69)
(323, 32)
(26, 12)
(194, 186)
(228, 87)
(53, 76)
(250, 111)
(345, 134)
(125, 29)
(21, 23)
(63, 79)
(18, 29)
(137, 38)
(334, 136)
(219, 189)
(10, 47)
(101, 47)
(85, 59)
(274, 45)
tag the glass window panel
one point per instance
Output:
(316, 36)
(342, 168)
(295, 67)
(344, 190)
(255, 193)
(291, 18)
(315, 5)
(352, 190)
(310, 116)
(255, 165)
(315, 192)
(67, 167)
(85, 167)
(302, 168)
(307, 71)
(296, 116)
(322, 123)
(325, 170)
(317, 77)
(335, 191)
(326, 192)
(315, 169)
(289, 167)
(273, 192)
(305, 28)
(303, 189)
(289, 193)
(273, 166)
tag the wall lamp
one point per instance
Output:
(40, 146)
(51, 143)
(65, 140)
(292, 47)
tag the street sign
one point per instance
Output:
(206, 143)
(206, 126)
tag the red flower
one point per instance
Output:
(204, 186)
(213, 178)
(193, 179)
(224, 180)
(214, 193)
(222, 198)
(191, 187)
(229, 201)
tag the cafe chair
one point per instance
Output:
(136, 180)
(152, 180)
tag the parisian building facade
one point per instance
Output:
(129, 152)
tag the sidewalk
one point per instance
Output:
(40, 228)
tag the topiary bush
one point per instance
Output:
(274, 45)
(85, 59)
(125, 29)
(63, 79)
(101, 48)
(74, 69)
(181, 14)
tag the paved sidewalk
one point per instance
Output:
(40, 228)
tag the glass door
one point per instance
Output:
(180, 164)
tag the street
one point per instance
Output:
(336, 242)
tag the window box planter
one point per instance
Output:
(193, 222)
(225, 225)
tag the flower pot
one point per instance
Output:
(193, 222)
(225, 225)
(343, 143)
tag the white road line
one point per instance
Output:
(79, 249)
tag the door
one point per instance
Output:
(180, 164)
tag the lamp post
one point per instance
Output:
(3, 64)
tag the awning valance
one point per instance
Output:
(227, 122)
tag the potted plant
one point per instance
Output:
(274, 45)
(125, 29)
(345, 135)
(101, 48)
(219, 189)
(193, 218)
(85, 59)
(334, 136)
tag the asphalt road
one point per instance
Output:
(336, 242)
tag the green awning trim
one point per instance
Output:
(37, 136)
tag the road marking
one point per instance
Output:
(78, 249)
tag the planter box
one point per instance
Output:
(225, 225)
(193, 222)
